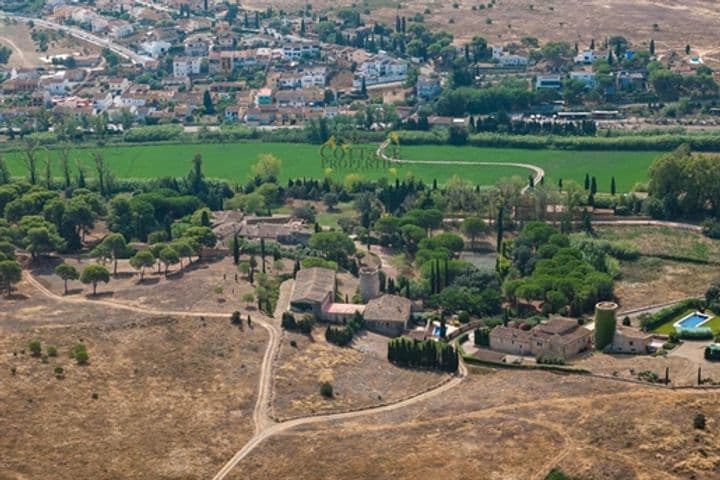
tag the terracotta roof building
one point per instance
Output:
(388, 314)
(558, 337)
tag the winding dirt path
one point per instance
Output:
(265, 427)
(24, 61)
(538, 172)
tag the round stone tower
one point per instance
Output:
(369, 283)
(605, 324)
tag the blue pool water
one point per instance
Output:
(436, 331)
(693, 320)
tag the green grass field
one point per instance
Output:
(667, 328)
(232, 161)
(627, 167)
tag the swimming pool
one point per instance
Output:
(693, 320)
(436, 331)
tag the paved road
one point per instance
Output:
(83, 35)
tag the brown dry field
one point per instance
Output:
(25, 55)
(679, 23)
(360, 375)
(509, 425)
(652, 281)
(184, 289)
(175, 396)
(683, 371)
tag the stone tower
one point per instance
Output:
(369, 283)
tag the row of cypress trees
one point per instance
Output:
(408, 352)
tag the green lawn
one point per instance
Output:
(667, 327)
(232, 161)
(627, 167)
(330, 219)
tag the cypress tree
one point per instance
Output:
(236, 250)
(499, 225)
(652, 46)
(587, 181)
(560, 185)
(262, 253)
(612, 186)
(447, 274)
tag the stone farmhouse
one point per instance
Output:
(557, 337)
(314, 293)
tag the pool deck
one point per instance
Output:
(708, 317)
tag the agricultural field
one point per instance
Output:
(628, 168)
(232, 161)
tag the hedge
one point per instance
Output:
(700, 333)
(666, 314)
(664, 142)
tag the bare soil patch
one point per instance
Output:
(25, 53)
(360, 375)
(691, 22)
(683, 369)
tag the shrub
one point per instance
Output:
(293, 343)
(52, 351)
(648, 376)
(44, 358)
(59, 372)
(80, 354)
(326, 390)
(95, 396)
(35, 348)
(669, 346)
(464, 316)
(550, 360)
(235, 318)
(699, 421)
(701, 333)
(13, 370)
